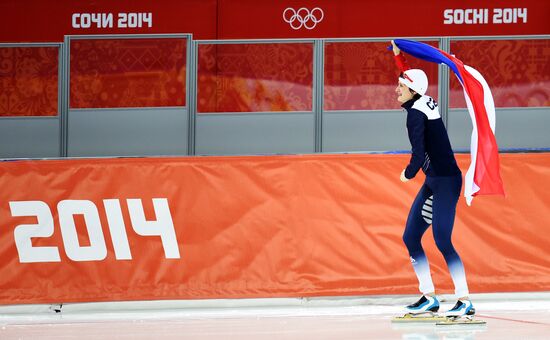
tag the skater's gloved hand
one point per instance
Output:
(403, 178)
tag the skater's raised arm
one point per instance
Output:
(400, 60)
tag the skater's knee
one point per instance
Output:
(412, 241)
(406, 238)
(445, 245)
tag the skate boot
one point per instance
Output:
(423, 310)
(462, 309)
(427, 304)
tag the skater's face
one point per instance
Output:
(404, 94)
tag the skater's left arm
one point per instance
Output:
(415, 128)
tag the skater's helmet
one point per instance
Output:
(415, 80)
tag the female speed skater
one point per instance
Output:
(435, 203)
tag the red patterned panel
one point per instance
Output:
(363, 76)
(128, 73)
(28, 81)
(517, 71)
(255, 77)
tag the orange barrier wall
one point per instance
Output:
(233, 227)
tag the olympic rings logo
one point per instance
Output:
(303, 17)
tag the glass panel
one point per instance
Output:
(255, 77)
(28, 81)
(363, 76)
(517, 71)
(128, 73)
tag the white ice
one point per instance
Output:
(508, 316)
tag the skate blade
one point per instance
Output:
(425, 317)
(449, 321)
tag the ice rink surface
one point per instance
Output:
(508, 316)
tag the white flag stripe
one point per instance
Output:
(470, 187)
(487, 96)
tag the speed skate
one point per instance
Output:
(428, 317)
(460, 320)
(439, 320)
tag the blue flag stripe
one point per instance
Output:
(426, 52)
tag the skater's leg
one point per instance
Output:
(446, 193)
(415, 228)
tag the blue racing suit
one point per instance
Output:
(435, 203)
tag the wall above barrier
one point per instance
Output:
(243, 19)
(43, 20)
(233, 227)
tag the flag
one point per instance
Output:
(483, 175)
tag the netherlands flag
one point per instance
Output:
(483, 176)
